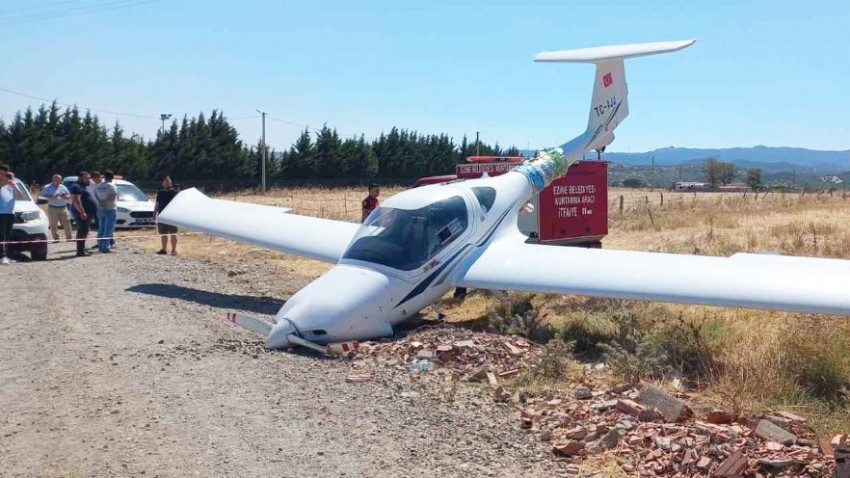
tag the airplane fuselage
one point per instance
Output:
(390, 274)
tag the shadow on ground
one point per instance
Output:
(250, 303)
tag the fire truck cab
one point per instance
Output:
(572, 211)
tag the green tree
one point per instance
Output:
(754, 178)
(727, 172)
(711, 171)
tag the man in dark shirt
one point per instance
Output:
(371, 202)
(163, 197)
(84, 210)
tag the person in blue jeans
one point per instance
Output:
(106, 194)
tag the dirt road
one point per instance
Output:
(123, 365)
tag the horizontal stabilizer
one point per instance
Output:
(613, 52)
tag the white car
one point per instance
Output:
(135, 209)
(30, 225)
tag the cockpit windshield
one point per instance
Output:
(406, 239)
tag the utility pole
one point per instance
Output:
(162, 118)
(263, 145)
(477, 145)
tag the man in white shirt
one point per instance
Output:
(8, 193)
(58, 197)
(106, 194)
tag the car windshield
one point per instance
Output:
(129, 192)
(25, 194)
(406, 239)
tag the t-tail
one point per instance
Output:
(610, 104)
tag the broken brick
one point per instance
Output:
(825, 447)
(509, 373)
(570, 448)
(673, 409)
(629, 406)
(719, 417)
(704, 463)
(732, 467)
(773, 446)
(791, 416)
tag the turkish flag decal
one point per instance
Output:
(607, 80)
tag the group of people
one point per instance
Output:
(93, 205)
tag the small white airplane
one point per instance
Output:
(421, 243)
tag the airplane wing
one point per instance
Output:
(266, 226)
(759, 281)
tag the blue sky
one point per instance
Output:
(771, 73)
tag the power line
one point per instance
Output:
(35, 7)
(76, 11)
(131, 115)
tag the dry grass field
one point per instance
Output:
(738, 359)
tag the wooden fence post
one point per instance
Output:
(621, 204)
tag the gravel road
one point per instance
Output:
(123, 365)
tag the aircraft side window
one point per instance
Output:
(486, 196)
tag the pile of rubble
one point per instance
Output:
(647, 431)
(652, 433)
(456, 349)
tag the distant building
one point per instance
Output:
(691, 186)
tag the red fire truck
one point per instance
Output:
(573, 210)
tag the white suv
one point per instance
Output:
(30, 225)
(135, 209)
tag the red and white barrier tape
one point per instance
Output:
(94, 238)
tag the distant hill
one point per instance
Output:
(770, 159)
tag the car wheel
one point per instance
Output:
(39, 251)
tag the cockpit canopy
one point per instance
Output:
(406, 239)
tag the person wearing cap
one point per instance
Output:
(371, 202)
(57, 197)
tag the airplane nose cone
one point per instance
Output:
(278, 337)
(345, 303)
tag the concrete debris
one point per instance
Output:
(768, 431)
(582, 393)
(673, 409)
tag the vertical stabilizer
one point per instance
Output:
(610, 103)
(609, 106)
